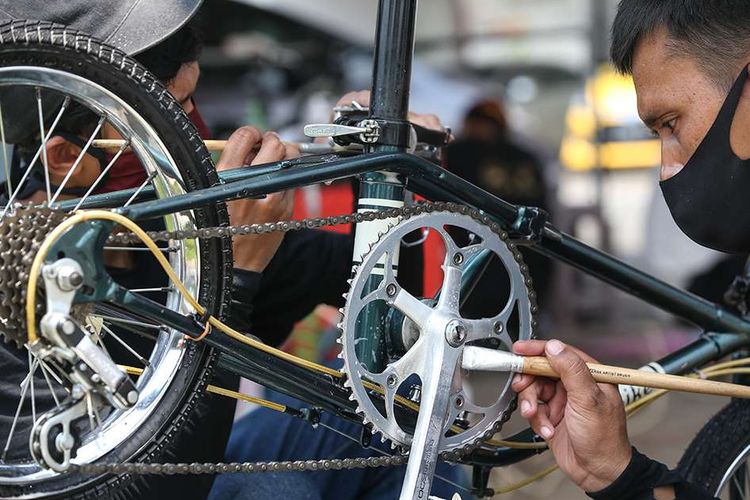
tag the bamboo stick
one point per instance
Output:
(478, 358)
(218, 145)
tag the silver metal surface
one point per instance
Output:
(481, 359)
(447, 389)
(167, 355)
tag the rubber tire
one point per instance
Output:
(716, 446)
(188, 425)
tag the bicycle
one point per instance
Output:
(104, 423)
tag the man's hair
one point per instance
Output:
(184, 46)
(715, 33)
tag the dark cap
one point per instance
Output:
(130, 25)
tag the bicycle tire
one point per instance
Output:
(716, 446)
(188, 424)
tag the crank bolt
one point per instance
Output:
(458, 259)
(391, 380)
(391, 290)
(455, 333)
(498, 327)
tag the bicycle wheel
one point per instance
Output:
(717, 458)
(64, 69)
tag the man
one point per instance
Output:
(685, 57)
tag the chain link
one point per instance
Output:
(296, 225)
(223, 468)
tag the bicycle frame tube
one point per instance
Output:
(389, 103)
(433, 182)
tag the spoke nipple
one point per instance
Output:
(391, 290)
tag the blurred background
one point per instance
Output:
(540, 118)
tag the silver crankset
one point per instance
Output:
(458, 408)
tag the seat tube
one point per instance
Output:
(394, 45)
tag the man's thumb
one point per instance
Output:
(574, 374)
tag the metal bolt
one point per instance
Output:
(391, 290)
(66, 326)
(49, 272)
(498, 327)
(458, 258)
(392, 380)
(415, 393)
(95, 378)
(455, 333)
(459, 403)
(75, 279)
(64, 442)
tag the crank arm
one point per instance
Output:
(433, 413)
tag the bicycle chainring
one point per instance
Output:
(480, 402)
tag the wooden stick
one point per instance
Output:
(217, 145)
(616, 375)
(478, 358)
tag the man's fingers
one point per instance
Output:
(529, 347)
(541, 423)
(271, 149)
(427, 121)
(361, 97)
(574, 374)
(291, 151)
(239, 145)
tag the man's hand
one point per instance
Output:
(248, 146)
(583, 422)
(362, 97)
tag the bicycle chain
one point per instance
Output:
(223, 468)
(296, 225)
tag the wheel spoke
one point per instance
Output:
(44, 138)
(78, 160)
(132, 351)
(30, 166)
(140, 188)
(21, 399)
(103, 174)
(6, 162)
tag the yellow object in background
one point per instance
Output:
(602, 127)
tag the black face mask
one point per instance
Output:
(708, 198)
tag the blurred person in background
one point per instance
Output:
(487, 155)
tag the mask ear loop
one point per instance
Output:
(97, 153)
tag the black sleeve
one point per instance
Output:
(641, 476)
(310, 268)
(245, 285)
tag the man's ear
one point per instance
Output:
(61, 154)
